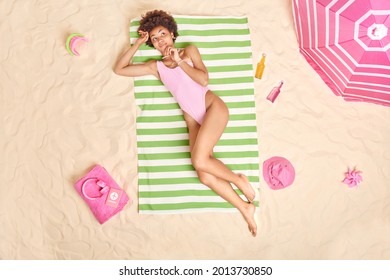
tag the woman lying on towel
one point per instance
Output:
(183, 73)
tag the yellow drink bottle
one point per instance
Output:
(260, 67)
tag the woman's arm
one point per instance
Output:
(125, 67)
(199, 72)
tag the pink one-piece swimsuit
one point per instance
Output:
(189, 94)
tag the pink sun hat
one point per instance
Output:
(278, 172)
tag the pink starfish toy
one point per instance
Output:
(352, 178)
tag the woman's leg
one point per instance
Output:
(220, 186)
(216, 119)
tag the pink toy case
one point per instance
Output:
(102, 194)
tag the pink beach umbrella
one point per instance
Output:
(348, 43)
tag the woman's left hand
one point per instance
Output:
(173, 53)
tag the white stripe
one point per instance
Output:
(223, 50)
(161, 113)
(165, 162)
(214, 39)
(178, 124)
(173, 187)
(223, 62)
(218, 62)
(180, 199)
(180, 187)
(190, 210)
(186, 161)
(212, 75)
(218, 149)
(158, 150)
(219, 50)
(211, 26)
(167, 175)
(167, 137)
(210, 39)
(203, 51)
(230, 74)
(184, 136)
(170, 99)
(228, 62)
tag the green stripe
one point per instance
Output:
(246, 104)
(205, 20)
(231, 80)
(169, 143)
(217, 69)
(237, 142)
(159, 131)
(242, 117)
(181, 155)
(205, 57)
(189, 167)
(164, 119)
(153, 94)
(219, 81)
(177, 143)
(234, 92)
(140, 83)
(158, 156)
(241, 154)
(168, 168)
(153, 107)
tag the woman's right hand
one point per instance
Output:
(143, 37)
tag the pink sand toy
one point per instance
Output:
(75, 41)
(101, 193)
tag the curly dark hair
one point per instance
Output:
(158, 18)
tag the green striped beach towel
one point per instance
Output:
(167, 180)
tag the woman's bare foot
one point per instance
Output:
(249, 212)
(246, 188)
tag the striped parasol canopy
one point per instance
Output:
(348, 43)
